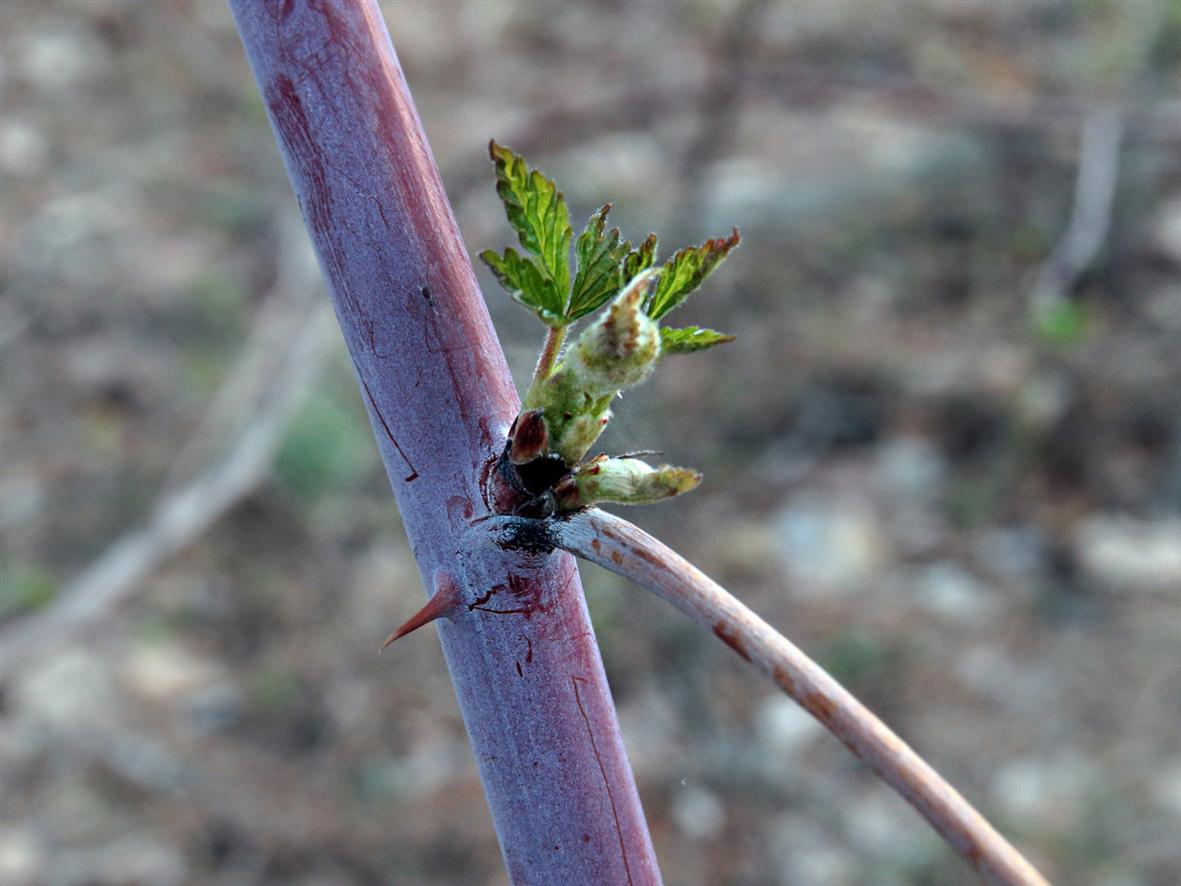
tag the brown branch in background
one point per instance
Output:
(627, 550)
(1090, 219)
(184, 514)
(291, 302)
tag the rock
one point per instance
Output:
(996, 674)
(216, 708)
(1126, 554)
(1013, 554)
(164, 672)
(22, 497)
(650, 726)
(910, 472)
(910, 476)
(144, 762)
(1167, 790)
(24, 150)
(134, 859)
(698, 813)
(426, 769)
(806, 854)
(821, 864)
(916, 533)
(61, 56)
(1049, 792)
(946, 590)
(878, 826)
(1168, 229)
(22, 857)
(829, 545)
(784, 728)
(72, 691)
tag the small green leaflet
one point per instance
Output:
(640, 259)
(690, 338)
(539, 278)
(686, 270)
(522, 279)
(600, 259)
(537, 211)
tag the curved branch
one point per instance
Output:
(626, 549)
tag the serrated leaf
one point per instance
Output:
(537, 211)
(688, 339)
(523, 280)
(599, 276)
(686, 270)
(640, 259)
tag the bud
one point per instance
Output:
(528, 439)
(627, 481)
(620, 348)
(580, 432)
(617, 351)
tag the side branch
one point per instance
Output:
(622, 547)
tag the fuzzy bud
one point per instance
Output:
(623, 481)
(620, 348)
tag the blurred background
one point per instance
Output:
(944, 454)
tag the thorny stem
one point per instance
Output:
(626, 549)
(528, 675)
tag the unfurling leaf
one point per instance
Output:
(690, 338)
(640, 259)
(537, 211)
(685, 271)
(523, 280)
(600, 258)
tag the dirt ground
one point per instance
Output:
(944, 455)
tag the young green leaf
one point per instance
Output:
(685, 271)
(599, 276)
(523, 280)
(690, 338)
(537, 211)
(640, 259)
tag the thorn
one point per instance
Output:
(446, 596)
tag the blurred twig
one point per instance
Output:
(291, 302)
(1090, 219)
(183, 514)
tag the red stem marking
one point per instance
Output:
(413, 475)
(603, 769)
